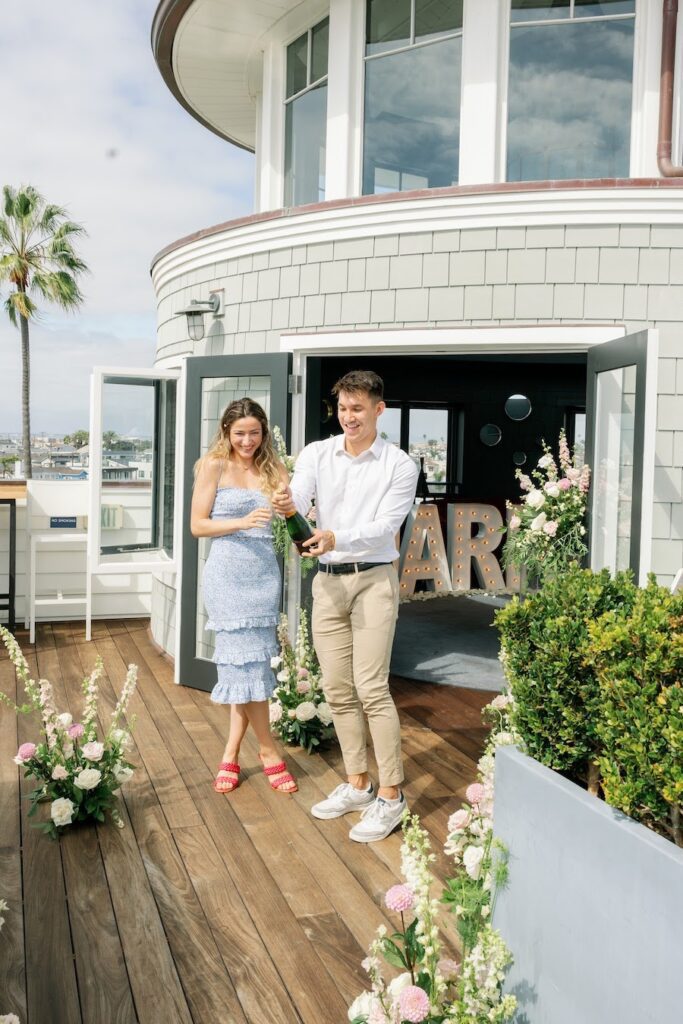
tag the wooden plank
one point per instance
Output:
(12, 972)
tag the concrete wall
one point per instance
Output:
(593, 908)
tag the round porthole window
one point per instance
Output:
(490, 435)
(519, 458)
(517, 407)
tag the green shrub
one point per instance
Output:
(638, 662)
(544, 643)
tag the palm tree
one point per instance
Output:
(37, 257)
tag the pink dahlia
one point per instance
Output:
(400, 898)
(414, 1004)
(25, 753)
(564, 484)
(475, 793)
(75, 731)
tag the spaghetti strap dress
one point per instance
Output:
(241, 587)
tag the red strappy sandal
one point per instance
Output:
(227, 785)
(285, 777)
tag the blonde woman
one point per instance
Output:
(241, 580)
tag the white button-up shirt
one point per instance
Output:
(363, 499)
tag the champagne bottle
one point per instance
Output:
(299, 530)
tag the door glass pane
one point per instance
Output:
(569, 100)
(428, 439)
(390, 426)
(217, 393)
(129, 466)
(387, 25)
(412, 118)
(591, 9)
(613, 470)
(435, 17)
(538, 10)
(305, 136)
(319, 46)
(297, 65)
(167, 455)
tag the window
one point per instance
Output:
(413, 60)
(427, 434)
(306, 116)
(569, 90)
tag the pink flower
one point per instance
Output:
(525, 482)
(550, 528)
(303, 686)
(585, 480)
(447, 968)
(25, 753)
(400, 898)
(75, 731)
(459, 821)
(502, 701)
(565, 457)
(93, 751)
(573, 475)
(414, 1004)
(59, 772)
(564, 484)
(302, 673)
(474, 794)
(515, 522)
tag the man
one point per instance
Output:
(363, 489)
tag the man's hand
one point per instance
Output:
(282, 502)
(320, 543)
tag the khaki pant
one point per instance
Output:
(354, 618)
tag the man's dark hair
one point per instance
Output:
(360, 381)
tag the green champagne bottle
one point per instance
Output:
(299, 530)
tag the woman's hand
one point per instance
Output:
(256, 519)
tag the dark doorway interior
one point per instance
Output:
(455, 413)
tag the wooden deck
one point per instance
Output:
(204, 908)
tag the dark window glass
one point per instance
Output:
(539, 10)
(591, 9)
(319, 49)
(297, 63)
(387, 25)
(412, 118)
(434, 18)
(569, 101)
(168, 454)
(305, 134)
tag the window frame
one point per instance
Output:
(309, 87)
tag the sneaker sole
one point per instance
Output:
(327, 815)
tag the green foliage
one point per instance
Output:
(638, 661)
(78, 439)
(299, 713)
(544, 646)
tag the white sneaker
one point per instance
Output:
(342, 800)
(379, 820)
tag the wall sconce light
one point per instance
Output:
(195, 314)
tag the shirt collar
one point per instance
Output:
(375, 448)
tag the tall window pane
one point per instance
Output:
(388, 25)
(412, 118)
(297, 65)
(569, 100)
(320, 39)
(305, 132)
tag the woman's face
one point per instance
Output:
(245, 436)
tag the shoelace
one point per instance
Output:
(377, 809)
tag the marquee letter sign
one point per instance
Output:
(423, 555)
(474, 549)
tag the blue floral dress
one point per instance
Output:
(241, 587)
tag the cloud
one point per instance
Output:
(90, 123)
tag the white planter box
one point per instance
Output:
(593, 911)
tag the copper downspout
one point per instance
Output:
(666, 91)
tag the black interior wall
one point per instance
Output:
(554, 385)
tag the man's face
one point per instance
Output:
(358, 414)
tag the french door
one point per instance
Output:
(211, 383)
(620, 439)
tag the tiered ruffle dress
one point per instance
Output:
(241, 588)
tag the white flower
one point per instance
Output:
(324, 713)
(545, 461)
(275, 711)
(68, 750)
(9, 1018)
(276, 661)
(472, 858)
(502, 701)
(363, 1005)
(121, 737)
(62, 811)
(122, 773)
(395, 987)
(535, 499)
(282, 677)
(93, 751)
(306, 711)
(537, 523)
(303, 686)
(291, 713)
(65, 720)
(59, 772)
(88, 778)
(504, 739)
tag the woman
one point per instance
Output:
(241, 580)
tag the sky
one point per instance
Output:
(88, 120)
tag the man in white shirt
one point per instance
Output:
(363, 489)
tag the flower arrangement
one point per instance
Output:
(299, 713)
(77, 772)
(281, 539)
(433, 988)
(546, 533)
(6, 1018)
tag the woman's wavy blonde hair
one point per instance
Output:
(265, 459)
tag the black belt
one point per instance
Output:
(342, 568)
